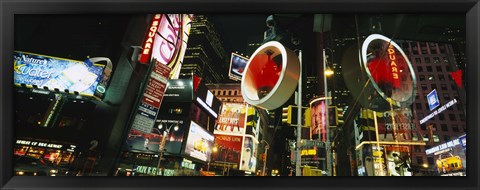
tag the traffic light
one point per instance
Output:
(307, 121)
(285, 115)
(339, 116)
(290, 116)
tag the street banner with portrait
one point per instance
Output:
(231, 119)
(318, 115)
(248, 161)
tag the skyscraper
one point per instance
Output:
(205, 56)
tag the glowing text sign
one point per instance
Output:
(439, 110)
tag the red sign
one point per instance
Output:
(148, 44)
(156, 85)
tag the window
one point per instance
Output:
(429, 69)
(418, 106)
(446, 138)
(454, 87)
(445, 59)
(229, 92)
(441, 77)
(419, 160)
(444, 127)
(455, 128)
(462, 117)
(420, 69)
(427, 60)
(431, 78)
(439, 68)
(421, 77)
(417, 149)
(418, 60)
(423, 127)
(436, 60)
(446, 96)
(430, 160)
(443, 86)
(434, 86)
(441, 117)
(452, 117)
(424, 87)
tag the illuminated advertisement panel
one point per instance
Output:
(392, 125)
(199, 143)
(138, 141)
(237, 66)
(318, 115)
(231, 119)
(313, 153)
(229, 149)
(248, 161)
(166, 41)
(56, 73)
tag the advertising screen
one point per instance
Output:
(138, 141)
(199, 143)
(317, 115)
(313, 153)
(237, 66)
(207, 100)
(249, 151)
(229, 148)
(56, 73)
(231, 119)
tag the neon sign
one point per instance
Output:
(147, 45)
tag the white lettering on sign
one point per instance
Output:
(439, 110)
(443, 146)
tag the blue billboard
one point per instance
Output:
(56, 73)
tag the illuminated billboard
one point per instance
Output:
(199, 143)
(318, 123)
(396, 124)
(231, 119)
(249, 151)
(166, 41)
(237, 66)
(229, 148)
(57, 73)
(138, 141)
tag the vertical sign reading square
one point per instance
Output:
(433, 99)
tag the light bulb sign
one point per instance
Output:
(385, 71)
(271, 76)
(57, 73)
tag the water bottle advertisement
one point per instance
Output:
(63, 74)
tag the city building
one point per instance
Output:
(205, 56)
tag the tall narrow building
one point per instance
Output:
(205, 56)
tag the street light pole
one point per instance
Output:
(298, 172)
(162, 143)
(265, 161)
(327, 124)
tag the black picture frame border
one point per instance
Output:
(8, 8)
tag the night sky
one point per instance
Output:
(234, 30)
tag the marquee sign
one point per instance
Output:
(271, 76)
